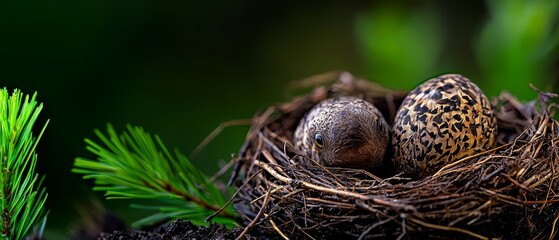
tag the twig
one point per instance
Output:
(446, 228)
(278, 230)
(404, 228)
(308, 185)
(504, 198)
(332, 191)
(337, 182)
(238, 166)
(334, 203)
(258, 216)
(467, 158)
(516, 183)
(273, 191)
(209, 218)
(315, 80)
(303, 231)
(223, 170)
(364, 233)
(546, 201)
(270, 158)
(543, 179)
(553, 227)
(292, 193)
(216, 132)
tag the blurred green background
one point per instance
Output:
(180, 68)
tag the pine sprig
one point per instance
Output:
(22, 198)
(133, 165)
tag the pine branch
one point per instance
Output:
(133, 165)
(22, 198)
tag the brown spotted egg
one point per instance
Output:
(442, 120)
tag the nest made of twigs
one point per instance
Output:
(510, 191)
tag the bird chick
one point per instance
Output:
(343, 132)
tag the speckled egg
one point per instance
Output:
(442, 120)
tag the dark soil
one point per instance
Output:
(179, 229)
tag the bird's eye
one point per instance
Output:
(319, 140)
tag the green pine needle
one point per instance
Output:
(133, 165)
(22, 198)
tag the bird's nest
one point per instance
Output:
(510, 191)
